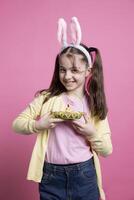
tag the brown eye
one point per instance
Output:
(74, 71)
(61, 70)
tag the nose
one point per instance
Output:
(68, 75)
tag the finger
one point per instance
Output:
(86, 118)
(74, 126)
(77, 128)
(52, 125)
(47, 115)
(77, 123)
(56, 120)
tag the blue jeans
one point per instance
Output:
(69, 182)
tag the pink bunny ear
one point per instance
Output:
(62, 32)
(75, 34)
(75, 31)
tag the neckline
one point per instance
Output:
(73, 96)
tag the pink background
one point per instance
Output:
(28, 46)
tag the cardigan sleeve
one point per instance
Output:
(100, 141)
(24, 123)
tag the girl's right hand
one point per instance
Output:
(47, 122)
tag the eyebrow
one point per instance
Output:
(74, 67)
(61, 66)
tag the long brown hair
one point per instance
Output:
(96, 95)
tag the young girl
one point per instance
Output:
(65, 157)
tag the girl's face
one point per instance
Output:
(73, 72)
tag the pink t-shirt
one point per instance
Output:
(66, 145)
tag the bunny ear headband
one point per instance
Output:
(75, 34)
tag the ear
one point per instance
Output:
(88, 72)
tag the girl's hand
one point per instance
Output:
(47, 122)
(85, 129)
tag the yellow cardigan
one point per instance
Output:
(24, 123)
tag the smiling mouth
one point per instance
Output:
(68, 82)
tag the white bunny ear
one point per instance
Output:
(62, 32)
(75, 31)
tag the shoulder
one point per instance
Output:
(42, 95)
(39, 98)
(45, 97)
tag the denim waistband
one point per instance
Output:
(63, 167)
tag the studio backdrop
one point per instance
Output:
(28, 47)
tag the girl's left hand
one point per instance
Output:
(85, 129)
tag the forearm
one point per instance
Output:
(25, 126)
(24, 123)
(101, 144)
